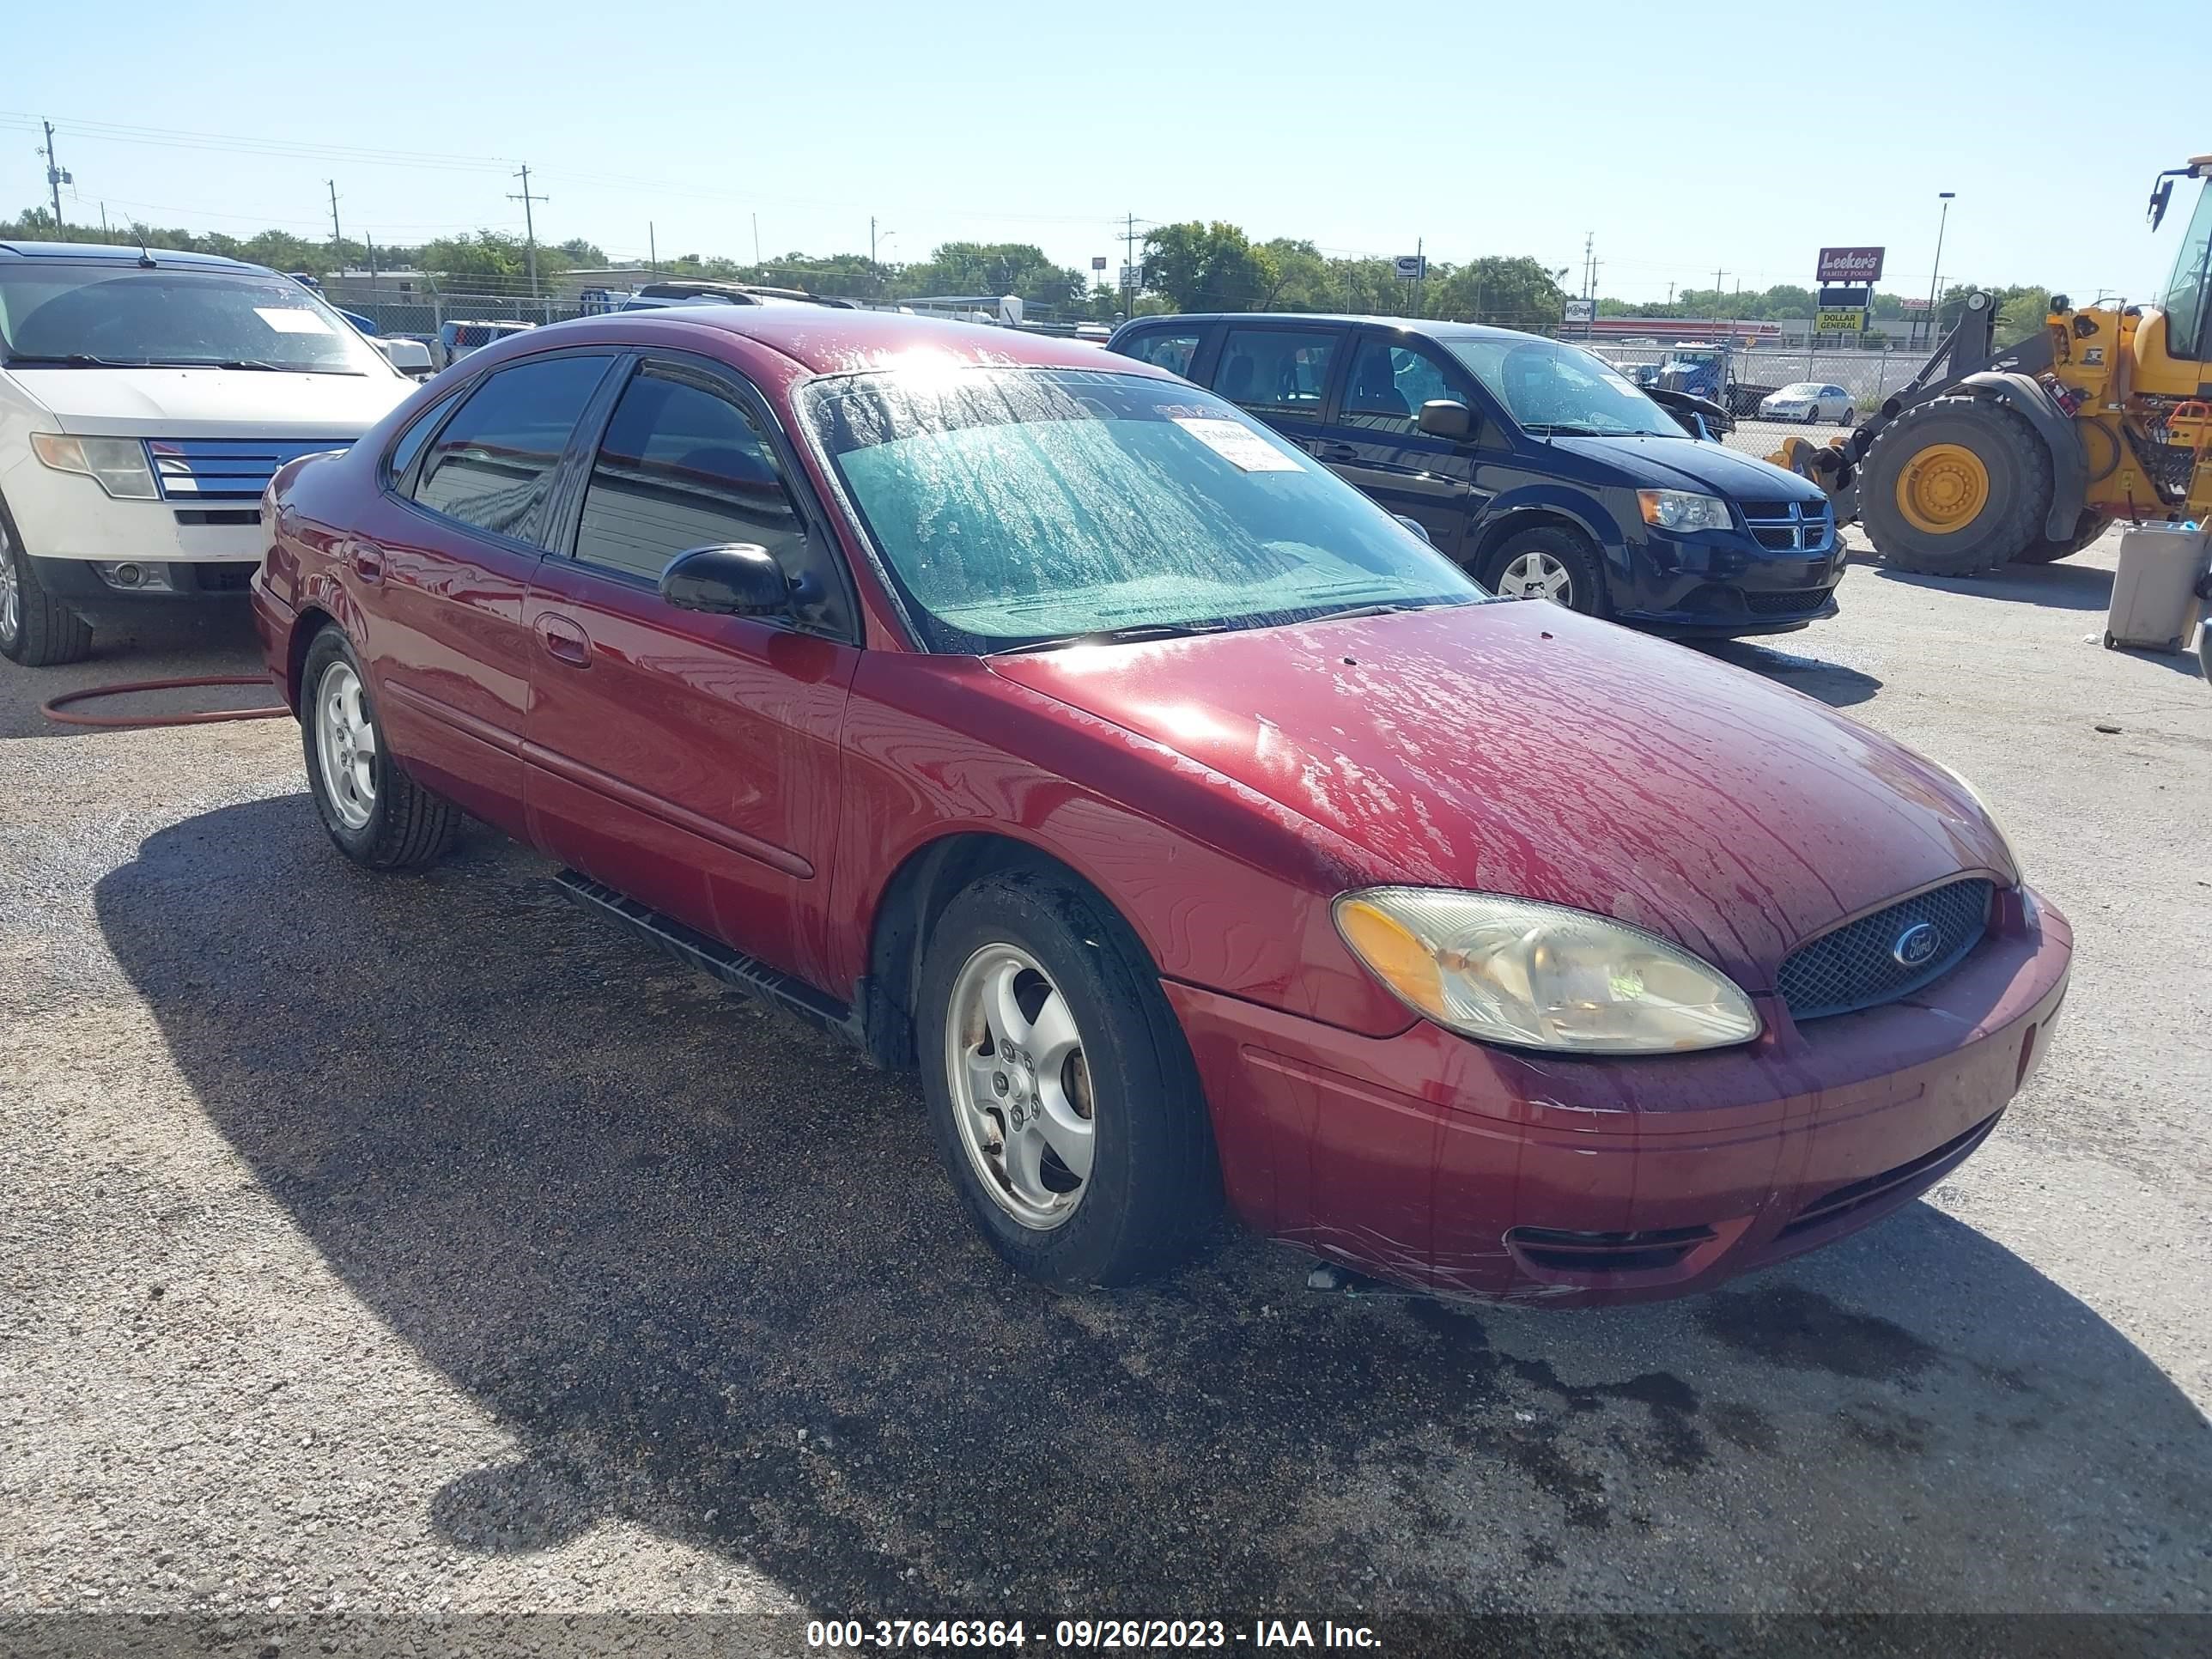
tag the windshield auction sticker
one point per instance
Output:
(292, 320)
(1239, 446)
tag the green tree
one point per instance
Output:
(578, 251)
(1201, 267)
(2022, 316)
(1510, 293)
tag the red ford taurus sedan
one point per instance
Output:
(1033, 718)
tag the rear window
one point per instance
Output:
(1172, 350)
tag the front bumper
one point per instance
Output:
(1725, 584)
(1447, 1165)
(68, 525)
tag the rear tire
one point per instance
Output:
(1519, 561)
(1151, 1186)
(2042, 551)
(36, 628)
(379, 816)
(1980, 504)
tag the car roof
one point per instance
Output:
(830, 340)
(1432, 327)
(109, 253)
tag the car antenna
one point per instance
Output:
(145, 260)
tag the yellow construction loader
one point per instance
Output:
(2026, 454)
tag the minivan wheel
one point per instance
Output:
(1548, 562)
(379, 817)
(36, 629)
(1065, 1103)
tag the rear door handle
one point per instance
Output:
(1331, 452)
(366, 559)
(564, 639)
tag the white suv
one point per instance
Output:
(146, 399)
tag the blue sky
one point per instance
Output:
(1688, 137)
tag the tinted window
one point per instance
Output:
(1389, 383)
(682, 466)
(1274, 370)
(1172, 352)
(403, 452)
(493, 464)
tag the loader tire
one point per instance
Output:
(1955, 486)
(2043, 550)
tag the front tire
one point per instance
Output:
(1547, 562)
(1064, 1102)
(379, 816)
(1955, 486)
(36, 628)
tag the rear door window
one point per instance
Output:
(1276, 372)
(493, 465)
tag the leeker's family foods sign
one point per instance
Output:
(1850, 264)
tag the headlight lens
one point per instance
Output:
(1996, 829)
(1679, 509)
(119, 464)
(1540, 976)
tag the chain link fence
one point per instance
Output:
(1821, 393)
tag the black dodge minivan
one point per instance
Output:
(1538, 467)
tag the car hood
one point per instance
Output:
(1693, 464)
(211, 403)
(1522, 749)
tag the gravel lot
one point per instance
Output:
(418, 1245)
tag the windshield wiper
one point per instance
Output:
(1114, 636)
(63, 360)
(1389, 608)
(1565, 428)
(242, 362)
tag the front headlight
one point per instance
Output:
(1678, 509)
(1996, 829)
(1538, 975)
(119, 464)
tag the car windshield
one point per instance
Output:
(1554, 390)
(1028, 508)
(99, 316)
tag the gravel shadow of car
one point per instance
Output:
(702, 1264)
(1838, 685)
(2059, 586)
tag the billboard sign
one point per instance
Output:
(1098, 262)
(1849, 265)
(1840, 320)
(1581, 310)
(1410, 267)
(1833, 297)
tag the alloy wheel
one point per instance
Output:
(1020, 1086)
(345, 745)
(1537, 575)
(11, 593)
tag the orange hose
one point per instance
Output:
(52, 707)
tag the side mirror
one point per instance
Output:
(408, 356)
(1445, 417)
(1414, 525)
(737, 579)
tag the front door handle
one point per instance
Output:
(1333, 451)
(564, 639)
(366, 559)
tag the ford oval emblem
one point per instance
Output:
(1916, 946)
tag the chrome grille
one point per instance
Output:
(1857, 966)
(225, 469)
(1791, 526)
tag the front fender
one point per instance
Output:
(2070, 460)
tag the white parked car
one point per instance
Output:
(146, 400)
(1807, 401)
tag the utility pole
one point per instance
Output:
(103, 219)
(1129, 267)
(1589, 243)
(1717, 295)
(871, 239)
(56, 175)
(529, 225)
(1670, 297)
(653, 249)
(371, 242)
(337, 241)
(756, 259)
